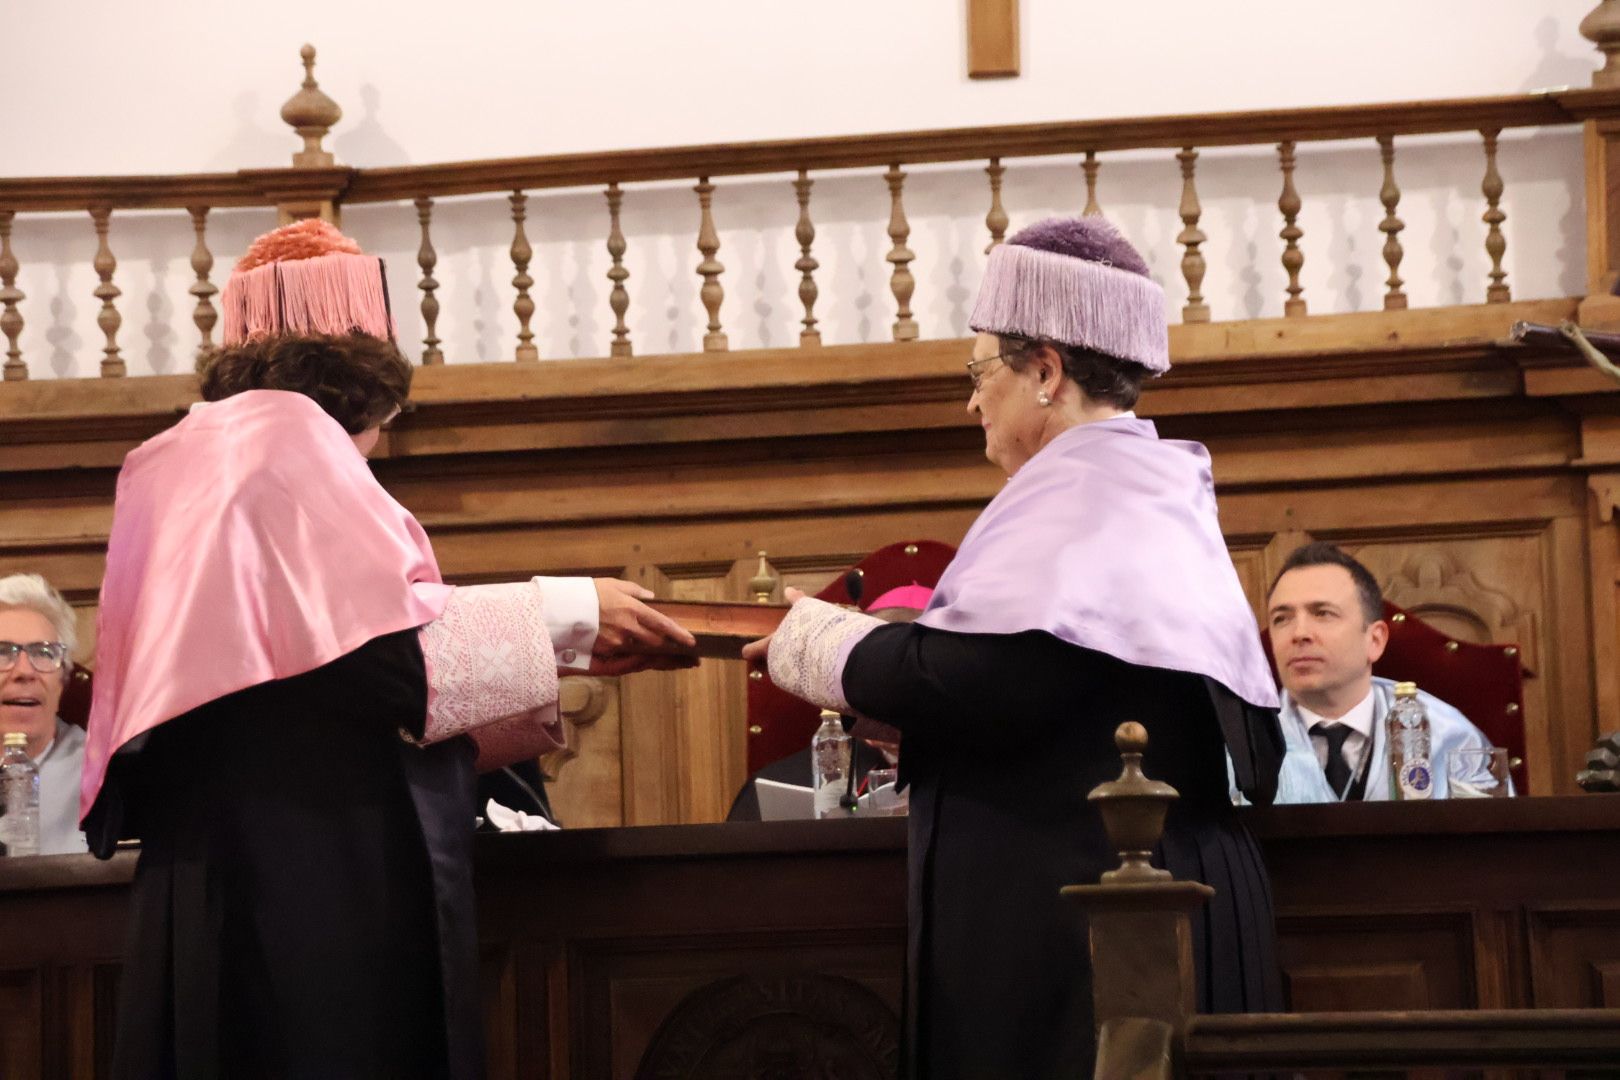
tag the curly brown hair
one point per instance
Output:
(1103, 378)
(356, 379)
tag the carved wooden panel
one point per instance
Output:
(679, 1008)
(1388, 960)
(1575, 957)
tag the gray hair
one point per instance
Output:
(33, 593)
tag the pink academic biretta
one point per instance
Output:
(305, 278)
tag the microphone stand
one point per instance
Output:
(849, 802)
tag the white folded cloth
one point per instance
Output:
(506, 819)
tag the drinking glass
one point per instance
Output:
(884, 801)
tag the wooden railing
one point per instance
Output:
(316, 185)
(1144, 985)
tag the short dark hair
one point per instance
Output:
(1101, 377)
(356, 379)
(1320, 553)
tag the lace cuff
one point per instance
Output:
(491, 669)
(809, 649)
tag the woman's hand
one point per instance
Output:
(624, 621)
(758, 650)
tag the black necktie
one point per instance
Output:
(1337, 769)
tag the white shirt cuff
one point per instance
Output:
(572, 618)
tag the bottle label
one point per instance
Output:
(1416, 780)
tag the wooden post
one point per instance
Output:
(1143, 983)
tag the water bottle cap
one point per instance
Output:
(1406, 689)
(829, 714)
(16, 738)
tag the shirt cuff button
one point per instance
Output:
(568, 656)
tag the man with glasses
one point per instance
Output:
(37, 636)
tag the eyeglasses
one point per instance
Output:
(45, 656)
(975, 375)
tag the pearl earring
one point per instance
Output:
(1044, 398)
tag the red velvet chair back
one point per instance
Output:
(780, 724)
(1484, 682)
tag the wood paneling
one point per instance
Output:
(599, 944)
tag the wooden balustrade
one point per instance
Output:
(315, 184)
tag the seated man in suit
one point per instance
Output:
(1325, 618)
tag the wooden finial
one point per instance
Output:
(1602, 28)
(1133, 809)
(311, 114)
(763, 583)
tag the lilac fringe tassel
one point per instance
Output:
(1032, 293)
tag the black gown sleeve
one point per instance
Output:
(946, 686)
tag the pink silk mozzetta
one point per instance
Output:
(250, 542)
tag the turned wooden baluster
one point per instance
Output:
(1495, 243)
(1391, 226)
(996, 219)
(521, 254)
(710, 269)
(901, 283)
(428, 259)
(619, 296)
(112, 364)
(11, 321)
(202, 262)
(1090, 165)
(807, 265)
(1191, 236)
(1292, 258)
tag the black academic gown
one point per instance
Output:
(303, 902)
(1003, 737)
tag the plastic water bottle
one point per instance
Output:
(829, 764)
(19, 798)
(1411, 772)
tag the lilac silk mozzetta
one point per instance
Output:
(1108, 539)
(250, 542)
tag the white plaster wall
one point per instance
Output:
(101, 87)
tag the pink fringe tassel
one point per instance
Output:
(1039, 294)
(332, 294)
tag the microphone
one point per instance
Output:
(854, 585)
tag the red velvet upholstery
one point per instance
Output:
(1484, 682)
(75, 704)
(780, 724)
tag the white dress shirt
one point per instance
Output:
(1360, 722)
(572, 619)
(59, 768)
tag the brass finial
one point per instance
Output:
(311, 113)
(1133, 809)
(762, 584)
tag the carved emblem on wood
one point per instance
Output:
(581, 699)
(789, 1027)
(1436, 587)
